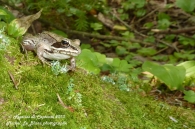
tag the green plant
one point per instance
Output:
(128, 34)
(108, 79)
(186, 41)
(147, 51)
(57, 69)
(188, 6)
(96, 26)
(190, 68)
(135, 5)
(189, 96)
(160, 58)
(122, 83)
(75, 12)
(59, 32)
(95, 62)
(91, 60)
(120, 65)
(148, 25)
(74, 99)
(121, 51)
(119, 80)
(70, 87)
(163, 21)
(81, 23)
(172, 76)
(150, 39)
(5, 18)
(5, 15)
(170, 37)
(185, 55)
(4, 39)
(123, 14)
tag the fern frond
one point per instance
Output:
(81, 23)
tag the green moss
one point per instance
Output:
(92, 103)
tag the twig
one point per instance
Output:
(161, 50)
(149, 14)
(168, 44)
(62, 103)
(161, 41)
(169, 31)
(124, 23)
(13, 80)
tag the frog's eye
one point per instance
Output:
(65, 43)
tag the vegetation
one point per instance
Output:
(136, 69)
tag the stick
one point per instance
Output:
(62, 103)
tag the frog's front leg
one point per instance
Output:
(40, 51)
(72, 64)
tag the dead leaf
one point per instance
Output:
(105, 20)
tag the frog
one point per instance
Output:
(50, 46)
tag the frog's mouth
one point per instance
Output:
(55, 56)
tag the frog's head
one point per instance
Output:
(68, 47)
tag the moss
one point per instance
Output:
(92, 103)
